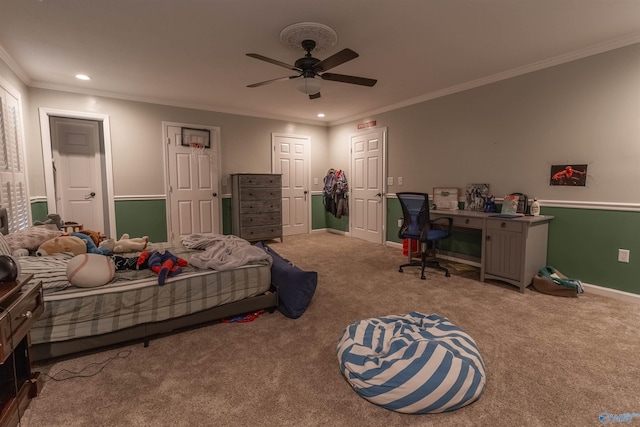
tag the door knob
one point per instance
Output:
(215, 194)
(379, 195)
(90, 195)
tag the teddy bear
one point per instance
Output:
(125, 244)
(72, 244)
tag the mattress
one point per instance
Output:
(77, 313)
(134, 297)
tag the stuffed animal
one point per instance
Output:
(163, 264)
(96, 236)
(72, 244)
(125, 244)
(51, 219)
(91, 247)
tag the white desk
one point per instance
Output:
(513, 249)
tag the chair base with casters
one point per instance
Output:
(424, 261)
(417, 225)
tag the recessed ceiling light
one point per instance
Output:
(82, 77)
(321, 115)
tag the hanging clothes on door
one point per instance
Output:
(335, 193)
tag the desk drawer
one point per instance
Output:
(507, 225)
(467, 222)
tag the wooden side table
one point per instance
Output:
(20, 307)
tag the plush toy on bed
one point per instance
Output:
(163, 264)
(91, 246)
(125, 244)
(72, 244)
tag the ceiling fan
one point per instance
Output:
(309, 68)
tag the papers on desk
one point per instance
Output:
(445, 198)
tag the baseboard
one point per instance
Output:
(334, 231)
(611, 293)
(593, 289)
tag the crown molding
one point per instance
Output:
(536, 66)
(14, 66)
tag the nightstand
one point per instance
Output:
(20, 305)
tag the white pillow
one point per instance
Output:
(30, 238)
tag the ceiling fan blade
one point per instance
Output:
(272, 81)
(315, 96)
(334, 60)
(349, 79)
(273, 61)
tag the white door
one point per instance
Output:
(291, 159)
(78, 171)
(367, 185)
(193, 183)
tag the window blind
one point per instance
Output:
(13, 176)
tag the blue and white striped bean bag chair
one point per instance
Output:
(412, 363)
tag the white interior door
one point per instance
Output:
(291, 159)
(193, 182)
(77, 171)
(367, 185)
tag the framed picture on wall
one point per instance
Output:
(200, 137)
(568, 175)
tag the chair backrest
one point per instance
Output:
(415, 211)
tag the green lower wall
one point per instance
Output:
(321, 219)
(583, 243)
(142, 218)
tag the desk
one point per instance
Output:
(513, 249)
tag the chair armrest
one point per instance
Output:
(448, 223)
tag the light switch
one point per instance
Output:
(315, 181)
(399, 180)
(390, 180)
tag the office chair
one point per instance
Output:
(416, 225)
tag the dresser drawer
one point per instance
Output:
(266, 232)
(506, 225)
(261, 194)
(271, 181)
(18, 316)
(260, 206)
(254, 220)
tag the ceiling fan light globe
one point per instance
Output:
(309, 85)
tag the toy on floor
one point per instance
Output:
(163, 264)
(125, 244)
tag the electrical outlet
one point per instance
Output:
(623, 255)
(399, 180)
(399, 222)
(390, 180)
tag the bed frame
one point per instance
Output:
(146, 331)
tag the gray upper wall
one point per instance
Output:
(137, 147)
(509, 133)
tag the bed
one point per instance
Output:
(134, 307)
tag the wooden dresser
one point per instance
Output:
(257, 206)
(20, 307)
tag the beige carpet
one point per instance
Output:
(550, 361)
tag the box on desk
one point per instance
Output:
(445, 198)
